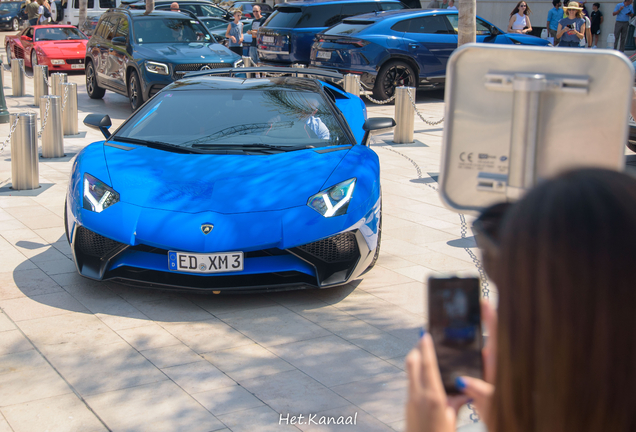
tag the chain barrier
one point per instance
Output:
(65, 98)
(11, 130)
(46, 79)
(46, 117)
(474, 417)
(24, 72)
(430, 123)
(5, 67)
(375, 101)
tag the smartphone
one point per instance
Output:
(454, 322)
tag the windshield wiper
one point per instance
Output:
(155, 144)
(247, 147)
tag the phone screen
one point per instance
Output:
(455, 326)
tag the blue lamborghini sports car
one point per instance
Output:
(222, 183)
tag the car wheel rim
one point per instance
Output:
(89, 79)
(34, 59)
(133, 91)
(8, 55)
(397, 76)
(16, 25)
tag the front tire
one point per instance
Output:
(15, 24)
(393, 74)
(94, 91)
(9, 57)
(34, 59)
(134, 91)
(631, 145)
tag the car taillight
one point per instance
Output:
(356, 42)
(247, 15)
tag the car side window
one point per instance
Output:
(428, 25)
(91, 4)
(391, 6)
(402, 26)
(352, 9)
(123, 28)
(210, 11)
(482, 28)
(29, 33)
(453, 22)
(190, 8)
(319, 16)
(110, 29)
(107, 4)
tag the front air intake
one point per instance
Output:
(95, 245)
(339, 248)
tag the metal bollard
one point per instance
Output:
(4, 112)
(52, 136)
(352, 84)
(40, 87)
(24, 152)
(17, 77)
(404, 116)
(247, 62)
(57, 79)
(69, 108)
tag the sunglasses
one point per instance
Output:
(522, 6)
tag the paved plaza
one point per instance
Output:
(78, 355)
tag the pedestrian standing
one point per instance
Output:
(554, 16)
(572, 29)
(32, 13)
(519, 19)
(623, 12)
(596, 17)
(234, 33)
(451, 5)
(256, 23)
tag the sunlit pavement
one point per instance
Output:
(76, 355)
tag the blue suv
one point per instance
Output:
(410, 48)
(287, 35)
(137, 55)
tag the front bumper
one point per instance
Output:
(330, 261)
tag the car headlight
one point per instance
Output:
(57, 62)
(333, 201)
(238, 63)
(6, 18)
(97, 195)
(158, 68)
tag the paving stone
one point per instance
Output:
(5, 323)
(198, 377)
(32, 282)
(27, 308)
(64, 413)
(173, 355)
(351, 413)
(263, 419)
(173, 310)
(248, 361)
(207, 336)
(12, 341)
(147, 337)
(30, 384)
(227, 400)
(58, 266)
(156, 407)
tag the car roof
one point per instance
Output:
(227, 83)
(140, 13)
(317, 2)
(379, 16)
(35, 27)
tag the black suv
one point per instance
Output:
(287, 35)
(199, 8)
(137, 55)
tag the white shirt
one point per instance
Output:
(41, 13)
(319, 128)
(451, 8)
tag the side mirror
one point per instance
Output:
(99, 121)
(25, 38)
(376, 125)
(119, 41)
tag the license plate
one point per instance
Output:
(268, 39)
(77, 66)
(323, 55)
(205, 263)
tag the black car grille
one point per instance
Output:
(339, 248)
(182, 69)
(95, 245)
(75, 61)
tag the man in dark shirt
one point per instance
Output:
(32, 13)
(256, 23)
(596, 17)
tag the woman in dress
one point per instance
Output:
(571, 29)
(519, 19)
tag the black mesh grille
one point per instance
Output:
(75, 61)
(95, 245)
(339, 248)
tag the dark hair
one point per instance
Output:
(516, 9)
(555, 2)
(567, 298)
(598, 5)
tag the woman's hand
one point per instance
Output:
(428, 409)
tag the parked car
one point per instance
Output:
(137, 55)
(60, 47)
(287, 35)
(200, 8)
(70, 9)
(246, 8)
(10, 15)
(395, 48)
(631, 142)
(188, 194)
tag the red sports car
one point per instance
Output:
(60, 47)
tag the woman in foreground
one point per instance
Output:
(561, 357)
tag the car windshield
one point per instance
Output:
(211, 11)
(274, 118)
(12, 7)
(215, 23)
(58, 34)
(169, 30)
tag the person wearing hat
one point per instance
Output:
(572, 29)
(623, 12)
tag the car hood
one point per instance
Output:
(527, 39)
(180, 53)
(58, 48)
(226, 184)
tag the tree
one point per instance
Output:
(467, 23)
(83, 5)
(150, 6)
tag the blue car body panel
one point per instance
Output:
(257, 204)
(385, 36)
